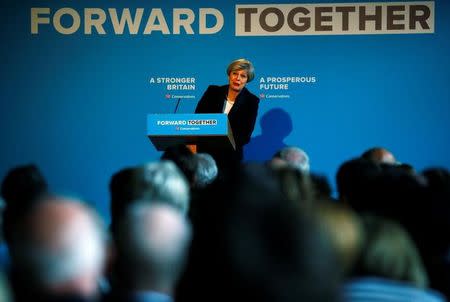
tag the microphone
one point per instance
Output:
(176, 107)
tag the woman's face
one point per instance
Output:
(238, 79)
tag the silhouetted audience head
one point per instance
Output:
(184, 159)
(296, 186)
(438, 180)
(355, 181)
(294, 157)
(152, 245)
(382, 189)
(22, 185)
(407, 168)
(61, 250)
(390, 253)
(379, 155)
(322, 188)
(161, 181)
(345, 230)
(398, 195)
(20, 188)
(164, 182)
(206, 171)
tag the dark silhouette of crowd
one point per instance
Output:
(183, 230)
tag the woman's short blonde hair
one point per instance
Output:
(242, 64)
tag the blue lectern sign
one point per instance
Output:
(169, 129)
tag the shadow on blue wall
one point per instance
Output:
(276, 125)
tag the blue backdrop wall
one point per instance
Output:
(76, 104)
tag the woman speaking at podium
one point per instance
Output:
(239, 104)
